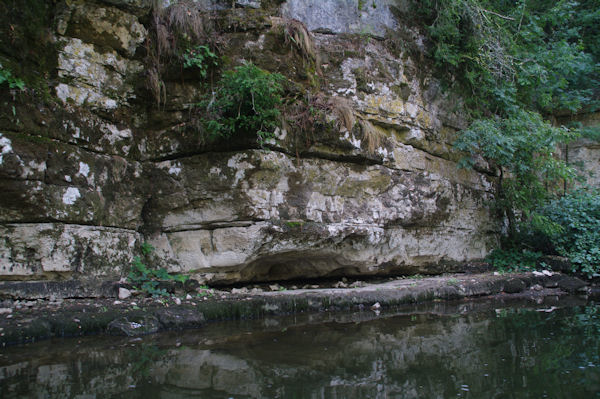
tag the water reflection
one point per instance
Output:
(487, 353)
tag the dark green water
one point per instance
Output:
(469, 350)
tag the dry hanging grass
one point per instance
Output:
(180, 23)
(185, 18)
(342, 109)
(371, 135)
(297, 33)
(156, 86)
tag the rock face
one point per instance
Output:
(91, 167)
(261, 215)
(585, 153)
(344, 16)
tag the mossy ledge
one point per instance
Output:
(137, 316)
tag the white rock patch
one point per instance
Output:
(174, 170)
(113, 134)
(236, 162)
(6, 147)
(71, 196)
(84, 169)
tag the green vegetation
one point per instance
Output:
(535, 54)
(589, 132)
(147, 279)
(25, 49)
(12, 81)
(362, 4)
(205, 291)
(514, 259)
(577, 233)
(521, 147)
(178, 34)
(517, 64)
(246, 101)
(199, 57)
(452, 281)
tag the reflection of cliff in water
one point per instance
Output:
(503, 353)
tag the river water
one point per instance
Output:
(442, 350)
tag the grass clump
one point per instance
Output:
(296, 32)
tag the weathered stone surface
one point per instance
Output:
(124, 293)
(343, 16)
(98, 80)
(586, 154)
(46, 180)
(135, 5)
(38, 250)
(56, 290)
(106, 27)
(379, 195)
(514, 285)
(258, 215)
(249, 3)
(179, 318)
(571, 284)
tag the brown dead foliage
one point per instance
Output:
(174, 29)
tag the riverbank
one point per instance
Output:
(31, 321)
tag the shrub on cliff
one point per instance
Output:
(246, 100)
(147, 279)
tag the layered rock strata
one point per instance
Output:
(91, 166)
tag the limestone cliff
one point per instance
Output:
(92, 166)
(584, 153)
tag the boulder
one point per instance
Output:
(514, 286)
(571, 284)
(179, 318)
(556, 263)
(134, 325)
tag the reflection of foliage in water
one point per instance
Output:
(517, 353)
(143, 357)
(558, 332)
(587, 324)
